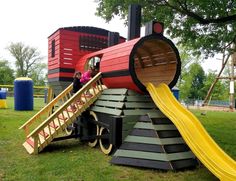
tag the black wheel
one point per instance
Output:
(69, 129)
(104, 143)
(94, 130)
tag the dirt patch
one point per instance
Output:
(212, 108)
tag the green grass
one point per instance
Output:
(72, 160)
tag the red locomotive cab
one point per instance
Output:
(134, 63)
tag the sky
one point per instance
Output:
(32, 21)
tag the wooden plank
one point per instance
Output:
(137, 162)
(140, 112)
(153, 156)
(144, 125)
(142, 147)
(109, 104)
(144, 118)
(141, 155)
(155, 141)
(168, 134)
(160, 121)
(138, 99)
(156, 114)
(180, 156)
(159, 127)
(115, 91)
(143, 132)
(112, 97)
(165, 127)
(133, 93)
(28, 148)
(140, 105)
(116, 112)
(186, 163)
(176, 148)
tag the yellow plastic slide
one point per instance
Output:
(194, 134)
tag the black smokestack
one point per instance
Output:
(134, 21)
(113, 38)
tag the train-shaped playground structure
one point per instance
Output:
(132, 112)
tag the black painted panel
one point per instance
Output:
(141, 163)
(142, 147)
(144, 132)
(176, 148)
(183, 164)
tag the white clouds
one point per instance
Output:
(31, 21)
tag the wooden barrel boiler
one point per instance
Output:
(133, 64)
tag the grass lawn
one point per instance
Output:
(71, 160)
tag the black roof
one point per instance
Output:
(86, 29)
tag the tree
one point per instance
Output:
(26, 58)
(186, 60)
(6, 73)
(193, 83)
(220, 91)
(38, 74)
(207, 27)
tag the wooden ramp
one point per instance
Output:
(53, 119)
(155, 143)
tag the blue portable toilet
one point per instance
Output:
(3, 96)
(23, 94)
(175, 91)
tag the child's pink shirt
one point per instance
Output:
(86, 76)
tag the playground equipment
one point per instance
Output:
(144, 127)
(199, 141)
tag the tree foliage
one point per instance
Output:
(38, 75)
(193, 83)
(26, 57)
(28, 62)
(207, 27)
(220, 91)
(6, 73)
(196, 83)
(186, 60)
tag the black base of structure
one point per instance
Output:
(155, 143)
(149, 138)
(59, 84)
(153, 164)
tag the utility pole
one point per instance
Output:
(232, 78)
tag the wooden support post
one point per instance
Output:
(231, 104)
(36, 144)
(224, 62)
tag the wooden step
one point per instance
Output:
(53, 125)
(62, 117)
(28, 147)
(30, 141)
(44, 134)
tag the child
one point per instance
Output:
(87, 76)
(76, 86)
(77, 82)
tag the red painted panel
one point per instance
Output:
(53, 67)
(120, 82)
(60, 74)
(53, 63)
(115, 61)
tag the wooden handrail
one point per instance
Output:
(66, 105)
(48, 107)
